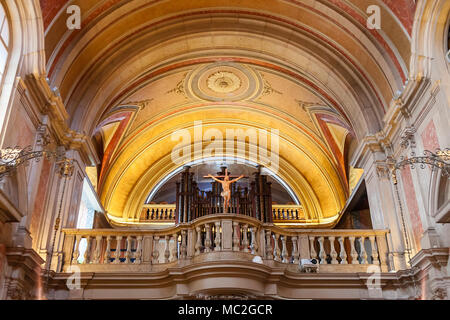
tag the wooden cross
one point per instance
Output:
(226, 174)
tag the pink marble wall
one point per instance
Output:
(50, 8)
(404, 10)
(25, 135)
(429, 137)
(2, 259)
(40, 197)
(412, 205)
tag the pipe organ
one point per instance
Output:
(193, 203)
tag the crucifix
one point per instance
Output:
(226, 182)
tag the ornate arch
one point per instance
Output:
(26, 52)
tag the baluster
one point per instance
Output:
(167, 250)
(107, 256)
(333, 253)
(117, 253)
(155, 249)
(269, 252)
(174, 250)
(276, 248)
(284, 254)
(236, 238)
(217, 240)
(295, 253)
(76, 252)
(138, 253)
(353, 252)
(88, 249)
(342, 254)
(208, 241)
(98, 248)
(128, 252)
(374, 250)
(198, 244)
(322, 254)
(253, 243)
(183, 245)
(363, 253)
(245, 237)
(312, 249)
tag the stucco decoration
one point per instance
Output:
(224, 81)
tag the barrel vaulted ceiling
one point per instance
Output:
(139, 69)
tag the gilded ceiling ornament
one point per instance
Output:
(304, 105)
(143, 103)
(407, 138)
(43, 137)
(268, 89)
(224, 82)
(179, 87)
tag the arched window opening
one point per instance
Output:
(4, 44)
(448, 43)
(88, 206)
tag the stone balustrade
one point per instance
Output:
(225, 236)
(329, 247)
(287, 212)
(158, 213)
(166, 213)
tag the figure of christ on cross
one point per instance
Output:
(226, 182)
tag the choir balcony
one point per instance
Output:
(220, 254)
(191, 247)
(220, 237)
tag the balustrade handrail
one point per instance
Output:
(160, 205)
(169, 230)
(326, 232)
(234, 217)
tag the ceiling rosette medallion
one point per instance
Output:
(224, 81)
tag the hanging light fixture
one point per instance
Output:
(12, 158)
(439, 160)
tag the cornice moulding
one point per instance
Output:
(401, 108)
(51, 104)
(25, 258)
